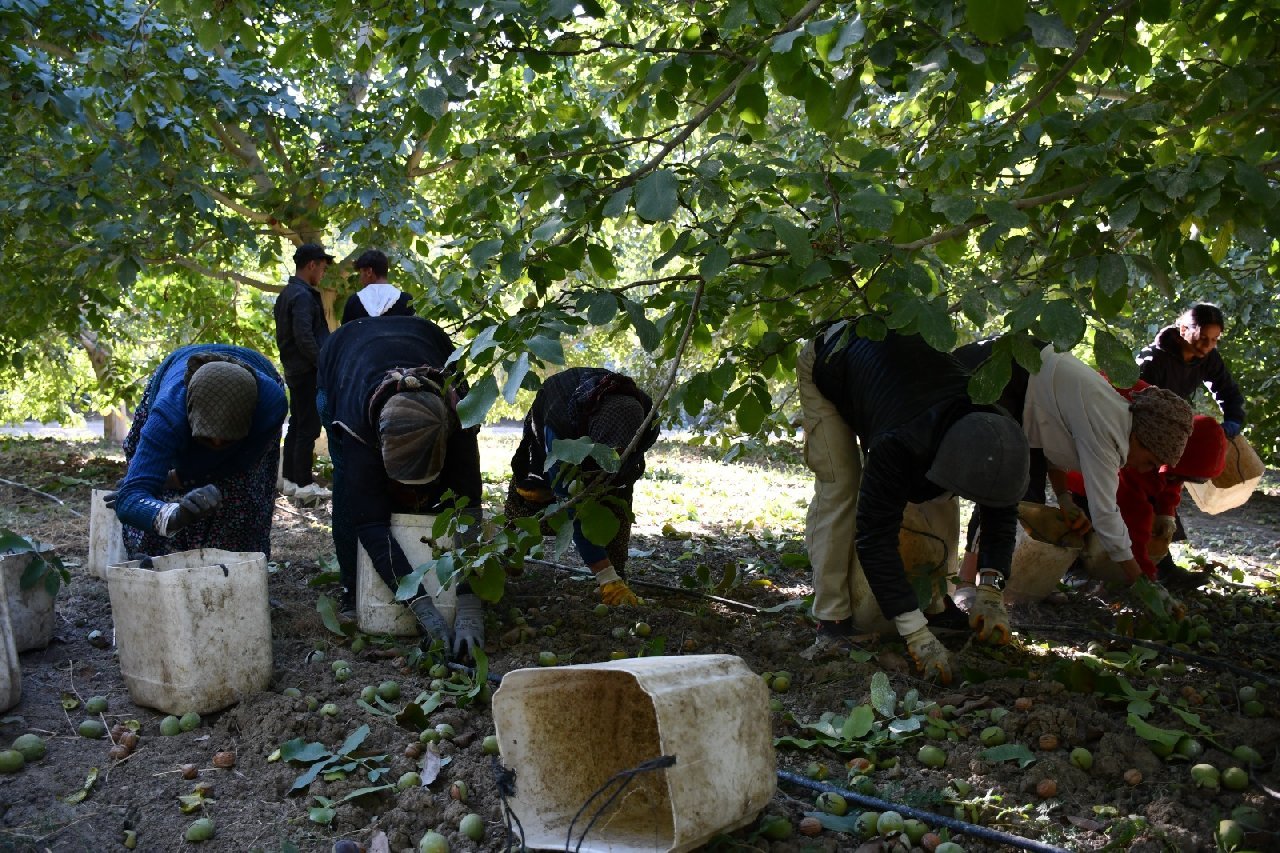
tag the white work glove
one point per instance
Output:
(930, 656)
(987, 615)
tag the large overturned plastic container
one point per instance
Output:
(567, 731)
(193, 631)
(927, 544)
(1044, 548)
(106, 536)
(10, 670)
(31, 609)
(377, 611)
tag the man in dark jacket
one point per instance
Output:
(1185, 356)
(607, 408)
(396, 444)
(889, 422)
(301, 330)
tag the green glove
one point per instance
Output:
(987, 616)
(931, 657)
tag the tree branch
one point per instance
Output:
(226, 275)
(1082, 47)
(982, 219)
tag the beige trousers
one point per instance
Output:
(832, 454)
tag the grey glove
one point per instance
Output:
(431, 621)
(194, 504)
(468, 626)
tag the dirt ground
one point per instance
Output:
(1060, 678)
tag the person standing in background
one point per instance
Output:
(376, 297)
(301, 329)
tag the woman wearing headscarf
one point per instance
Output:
(203, 452)
(389, 405)
(609, 409)
(1185, 356)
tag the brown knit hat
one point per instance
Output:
(616, 421)
(221, 398)
(414, 428)
(1161, 422)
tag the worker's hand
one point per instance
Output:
(1231, 428)
(468, 626)
(1163, 527)
(194, 505)
(109, 500)
(613, 589)
(1153, 597)
(432, 621)
(930, 656)
(1132, 571)
(1073, 515)
(988, 617)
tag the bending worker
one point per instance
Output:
(607, 408)
(397, 446)
(889, 422)
(203, 452)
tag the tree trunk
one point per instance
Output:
(115, 424)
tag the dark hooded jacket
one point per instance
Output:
(900, 396)
(1161, 364)
(301, 327)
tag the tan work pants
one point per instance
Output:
(832, 454)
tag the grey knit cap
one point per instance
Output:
(221, 398)
(983, 457)
(616, 421)
(414, 428)
(1161, 422)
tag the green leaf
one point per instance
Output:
(515, 376)
(751, 103)
(749, 414)
(1154, 734)
(473, 408)
(716, 262)
(1009, 752)
(1049, 32)
(956, 208)
(1115, 359)
(548, 349)
(1113, 274)
(989, 380)
(599, 524)
(322, 815)
(328, 609)
(883, 697)
(993, 21)
(489, 583)
(299, 750)
(485, 250)
(648, 333)
(657, 196)
(1062, 323)
(846, 823)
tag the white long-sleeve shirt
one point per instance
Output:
(1083, 424)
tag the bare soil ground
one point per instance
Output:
(697, 519)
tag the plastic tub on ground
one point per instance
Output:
(10, 670)
(377, 611)
(31, 609)
(1044, 548)
(194, 631)
(927, 544)
(566, 731)
(106, 536)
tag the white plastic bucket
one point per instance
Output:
(1044, 548)
(194, 632)
(106, 536)
(566, 730)
(927, 545)
(30, 610)
(377, 611)
(10, 671)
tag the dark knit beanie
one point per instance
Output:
(221, 398)
(1161, 423)
(414, 428)
(616, 421)
(985, 458)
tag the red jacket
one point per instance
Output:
(1143, 496)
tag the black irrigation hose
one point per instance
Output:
(1214, 663)
(993, 835)
(691, 593)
